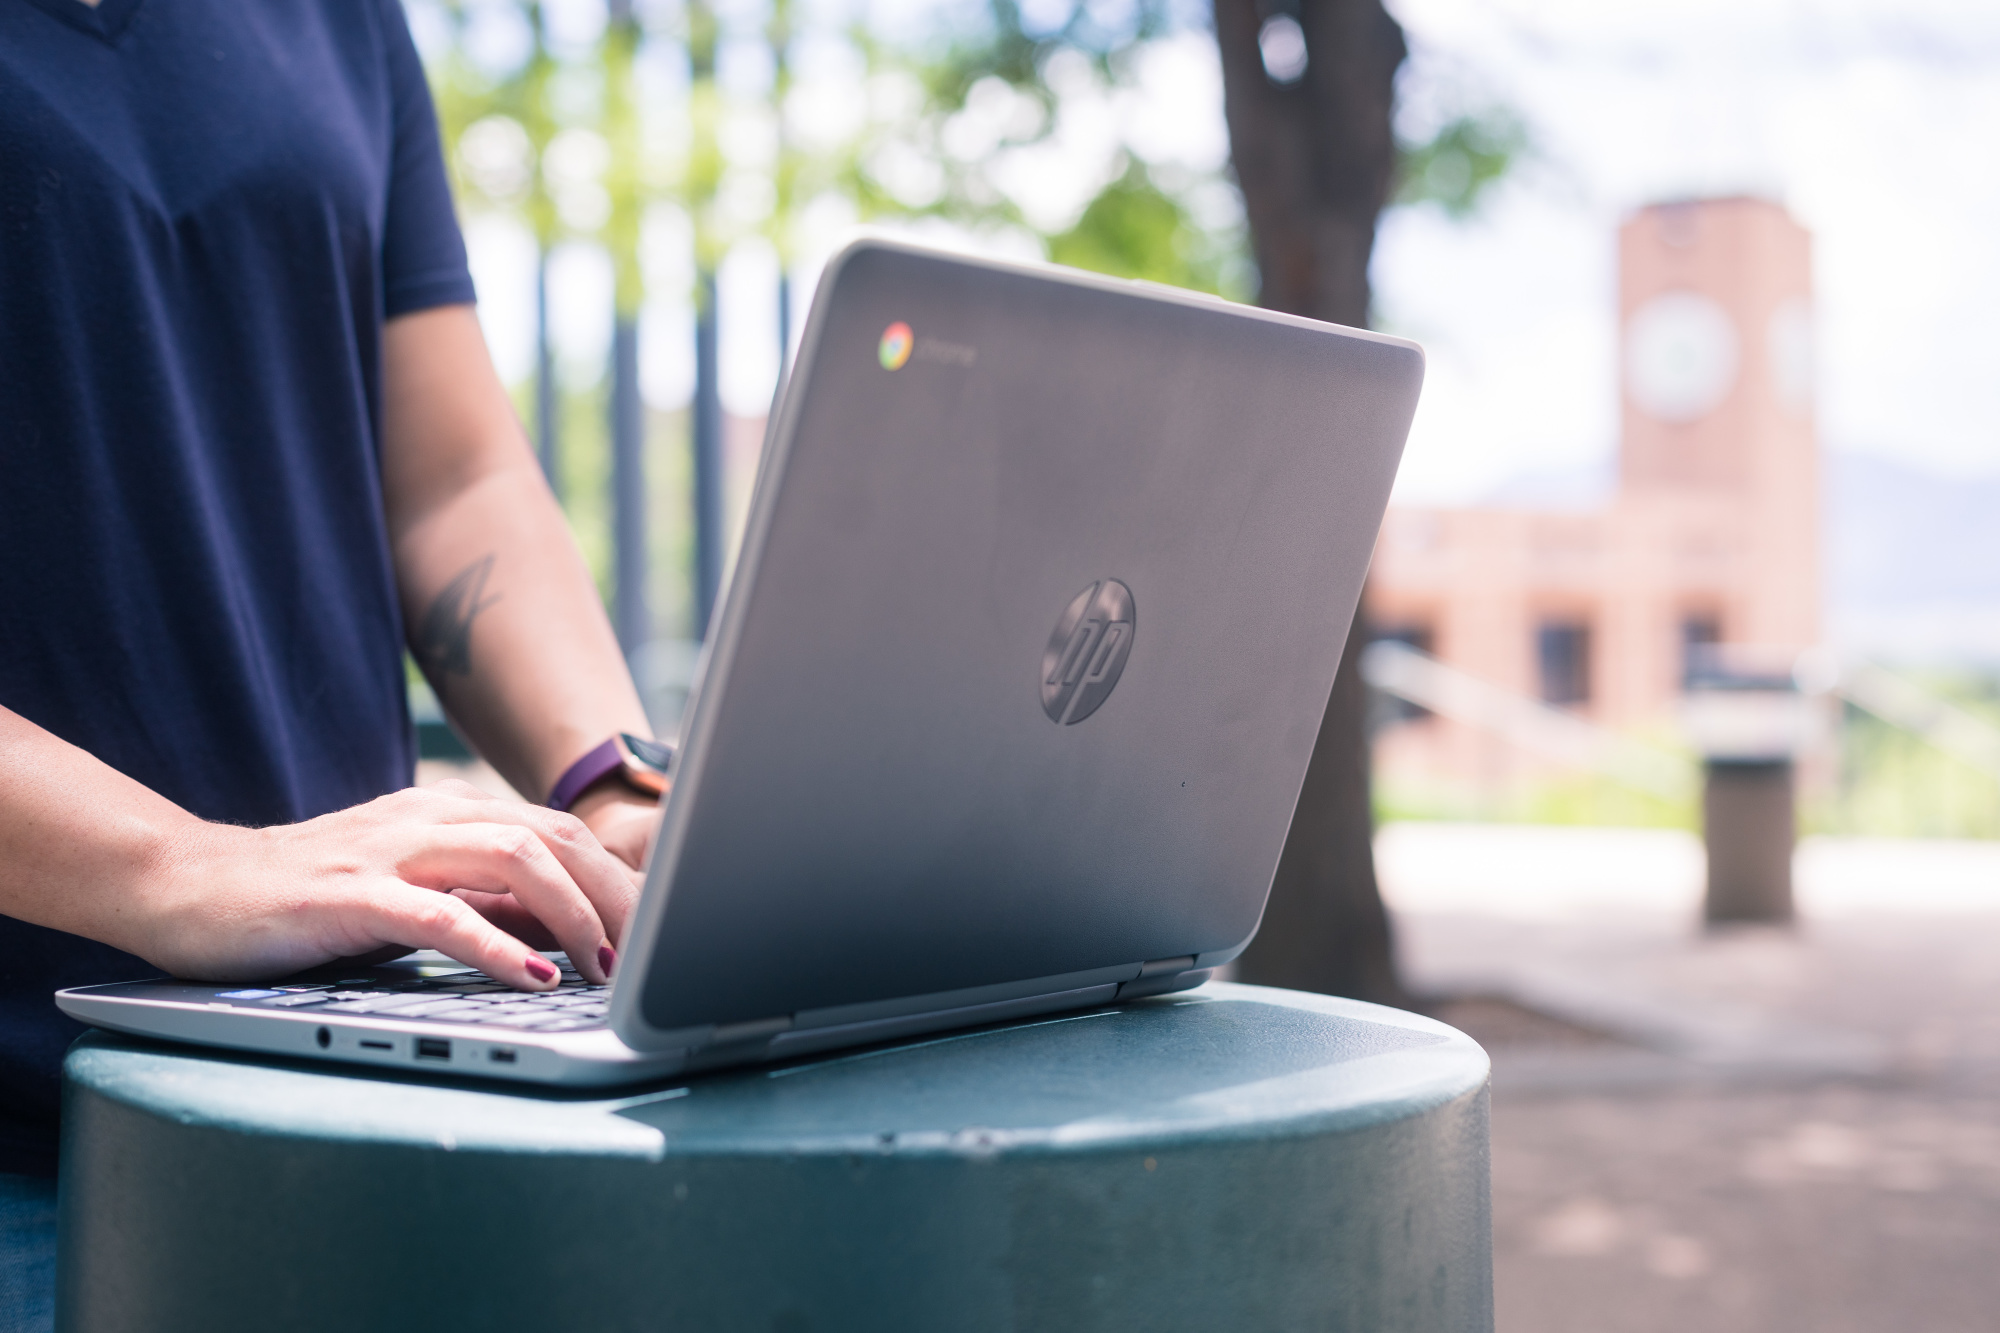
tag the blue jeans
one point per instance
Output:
(27, 1254)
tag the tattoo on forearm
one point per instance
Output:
(444, 639)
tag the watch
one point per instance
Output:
(643, 765)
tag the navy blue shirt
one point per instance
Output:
(207, 210)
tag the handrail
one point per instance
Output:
(1903, 703)
(1450, 692)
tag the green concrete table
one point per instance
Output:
(1232, 1158)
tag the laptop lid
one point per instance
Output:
(1039, 604)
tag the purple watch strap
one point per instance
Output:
(579, 775)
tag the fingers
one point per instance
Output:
(602, 877)
(423, 919)
(511, 859)
(510, 916)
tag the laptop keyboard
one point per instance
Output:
(459, 997)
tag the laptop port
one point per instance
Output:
(502, 1055)
(324, 1037)
(379, 1045)
(433, 1048)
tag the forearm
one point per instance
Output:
(501, 612)
(81, 844)
(506, 623)
(87, 850)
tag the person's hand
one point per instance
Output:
(623, 820)
(444, 867)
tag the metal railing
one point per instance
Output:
(1421, 679)
(1904, 704)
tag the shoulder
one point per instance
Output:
(377, 31)
(374, 42)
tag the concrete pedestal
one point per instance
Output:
(1230, 1158)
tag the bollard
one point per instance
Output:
(1234, 1157)
(1749, 830)
(1749, 721)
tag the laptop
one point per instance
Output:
(1006, 708)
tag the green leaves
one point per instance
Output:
(1134, 229)
(996, 101)
(1457, 165)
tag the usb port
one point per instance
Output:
(501, 1055)
(433, 1048)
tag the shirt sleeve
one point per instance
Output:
(423, 253)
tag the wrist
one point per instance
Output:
(178, 869)
(610, 797)
(622, 820)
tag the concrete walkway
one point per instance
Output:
(1756, 1130)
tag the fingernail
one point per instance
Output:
(540, 968)
(607, 958)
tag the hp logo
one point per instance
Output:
(1087, 652)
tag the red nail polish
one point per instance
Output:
(540, 968)
(607, 958)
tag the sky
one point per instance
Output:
(1876, 122)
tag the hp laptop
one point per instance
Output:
(1006, 708)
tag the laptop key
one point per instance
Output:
(294, 1001)
(439, 1009)
(388, 1004)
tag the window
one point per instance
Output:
(1699, 635)
(1393, 708)
(1410, 636)
(1562, 651)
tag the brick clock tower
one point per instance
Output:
(1712, 536)
(1716, 359)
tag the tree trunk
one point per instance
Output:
(1316, 159)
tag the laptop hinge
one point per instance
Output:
(1160, 966)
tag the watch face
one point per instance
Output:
(645, 762)
(652, 754)
(1680, 356)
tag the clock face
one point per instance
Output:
(1680, 356)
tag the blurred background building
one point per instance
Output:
(1710, 537)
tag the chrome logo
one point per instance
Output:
(897, 340)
